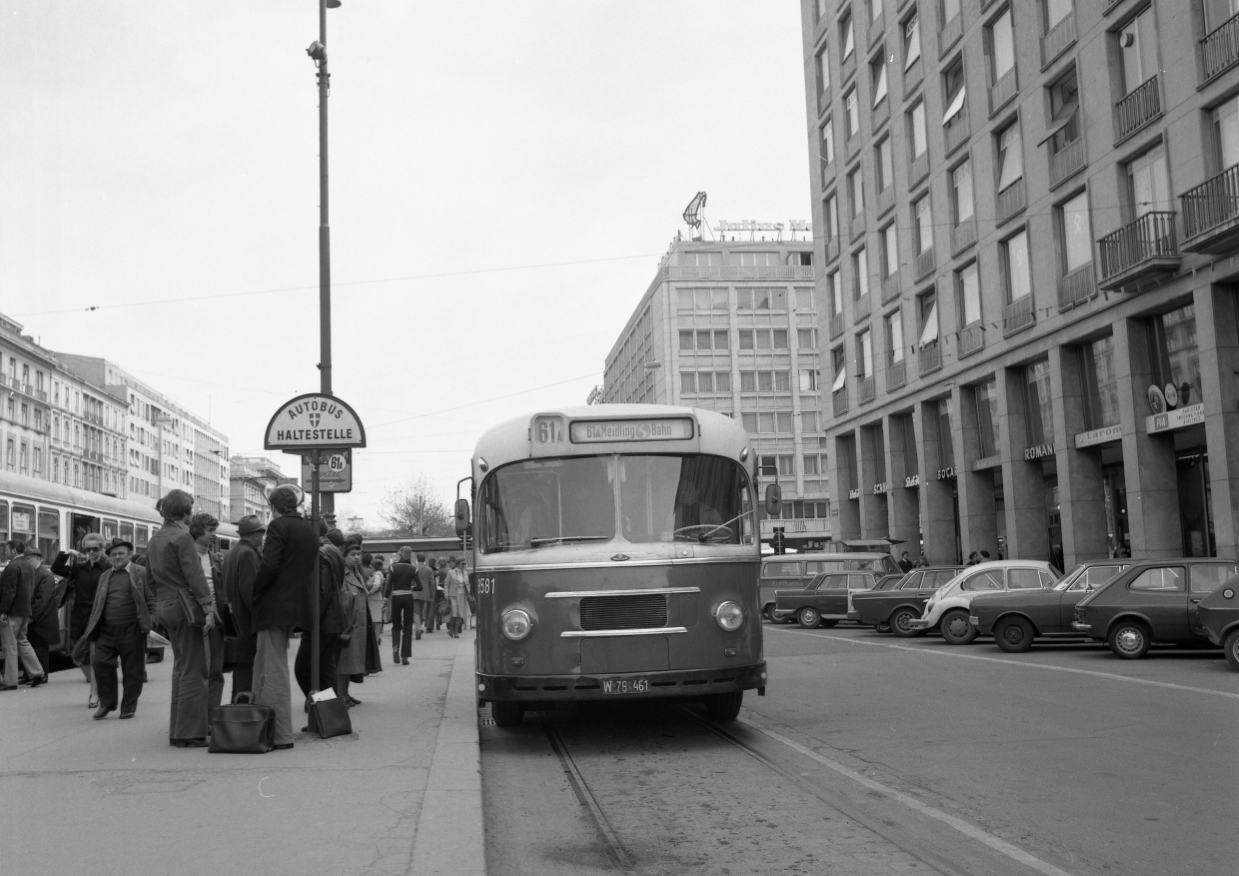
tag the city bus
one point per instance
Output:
(615, 555)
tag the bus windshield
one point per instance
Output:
(545, 502)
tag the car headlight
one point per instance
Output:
(517, 624)
(729, 616)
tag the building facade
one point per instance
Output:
(1027, 223)
(731, 326)
(250, 478)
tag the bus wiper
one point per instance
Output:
(539, 541)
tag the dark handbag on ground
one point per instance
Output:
(227, 620)
(330, 718)
(242, 728)
(194, 612)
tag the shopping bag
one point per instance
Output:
(329, 715)
(242, 728)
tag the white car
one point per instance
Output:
(948, 608)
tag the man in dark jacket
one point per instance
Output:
(44, 609)
(16, 585)
(282, 604)
(330, 616)
(399, 593)
(83, 571)
(240, 570)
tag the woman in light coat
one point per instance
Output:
(353, 598)
(374, 589)
(457, 588)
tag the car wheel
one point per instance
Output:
(1013, 635)
(882, 628)
(1232, 649)
(724, 706)
(808, 617)
(901, 623)
(1129, 640)
(828, 623)
(956, 629)
(506, 713)
(768, 613)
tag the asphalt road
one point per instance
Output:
(872, 754)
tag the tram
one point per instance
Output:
(616, 554)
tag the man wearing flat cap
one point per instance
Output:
(240, 570)
(119, 622)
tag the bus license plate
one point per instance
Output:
(625, 685)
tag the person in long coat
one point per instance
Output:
(44, 610)
(354, 602)
(457, 598)
(240, 570)
(83, 570)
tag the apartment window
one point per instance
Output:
(810, 464)
(25, 458)
(860, 269)
(688, 381)
(806, 339)
(968, 281)
(1099, 383)
(804, 300)
(828, 143)
(10, 453)
(1176, 355)
(839, 361)
(686, 340)
(830, 216)
(1015, 264)
(889, 250)
(950, 9)
(783, 421)
(923, 224)
(808, 380)
(765, 422)
(703, 340)
(1055, 11)
(25, 414)
(780, 338)
(808, 422)
(762, 336)
(1138, 46)
(864, 355)
(987, 417)
(849, 39)
(946, 446)
(1148, 182)
(38, 419)
(782, 381)
(853, 114)
(885, 164)
(856, 191)
(38, 461)
(720, 339)
(749, 422)
(1010, 156)
(702, 259)
(833, 290)
(911, 41)
(877, 75)
(894, 334)
(961, 192)
(705, 381)
(722, 381)
(1064, 127)
(875, 10)
(1040, 409)
(823, 71)
(953, 89)
(1226, 133)
(787, 467)
(927, 305)
(748, 381)
(1075, 234)
(1002, 44)
(916, 130)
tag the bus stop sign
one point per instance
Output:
(314, 422)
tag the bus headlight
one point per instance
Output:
(517, 624)
(729, 616)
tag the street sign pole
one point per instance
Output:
(315, 637)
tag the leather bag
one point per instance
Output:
(194, 612)
(242, 728)
(227, 620)
(329, 718)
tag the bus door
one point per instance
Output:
(82, 524)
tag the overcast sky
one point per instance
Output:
(504, 179)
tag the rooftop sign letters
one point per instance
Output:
(607, 431)
(314, 421)
(750, 225)
(1176, 419)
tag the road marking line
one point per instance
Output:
(964, 827)
(1093, 672)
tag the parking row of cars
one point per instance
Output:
(1128, 604)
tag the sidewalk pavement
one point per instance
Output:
(401, 795)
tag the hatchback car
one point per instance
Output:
(1154, 601)
(948, 608)
(1219, 619)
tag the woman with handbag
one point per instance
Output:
(457, 585)
(354, 599)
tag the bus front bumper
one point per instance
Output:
(661, 684)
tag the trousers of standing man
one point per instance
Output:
(127, 643)
(189, 673)
(215, 665)
(17, 646)
(402, 623)
(271, 683)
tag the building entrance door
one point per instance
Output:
(1195, 503)
(1117, 529)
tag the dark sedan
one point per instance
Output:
(1015, 618)
(1218, 614)
(1154, 601)
(891, 609)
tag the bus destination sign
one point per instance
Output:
(609, 431)
(314, 421)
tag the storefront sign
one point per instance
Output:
(912, 481)
(1104, 435)
(880, 489)
(1038, 451)
(946, 474)
(987, 462)
(853, 494)
(1176, 419)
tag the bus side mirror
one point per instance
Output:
(774, 500)
(462, 516)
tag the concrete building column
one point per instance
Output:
(843, 455)
(978, 528)
(902, 503)
(1023, 481)
(1148, 460)
(1217, 338)
(1081, 487)
(936, 497)
(873, 522)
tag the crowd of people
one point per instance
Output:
(235, 614)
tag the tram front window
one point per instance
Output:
(545, 502)
(684, 498)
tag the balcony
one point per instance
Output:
(880, 113)
(867, 390)
(1018, 315)
(918, 169)
(841, 402)
(1066, 162)
(891, 286)
(832, 249)
(896, 374)
(1141, 106)
(876, 29)
(815, 526)
(1011, 200)
(861, 307)
(1058, 40)
(847, 68)
(1219, 50)
(950, 34)
(1139, 253)
(924, 264)
(971, 339)
(912, 77)
(1211, 214)
(1076, 287)
(956, 131)
(963, 235)
(930, 358)
(886, 199)
(1002, 91)
(851, 146)
(836, 325)
(857, 225)
(823, 100)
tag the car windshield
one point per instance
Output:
(1070, 578)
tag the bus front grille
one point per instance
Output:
(623, 612)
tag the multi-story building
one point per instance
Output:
(58, 425)
(250, 477)
(731, 326)
(1027, 218)
(168, 446)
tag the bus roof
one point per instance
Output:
(36, 489)
(588, 430)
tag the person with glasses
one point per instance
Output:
(82, 570)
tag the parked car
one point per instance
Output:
(891, 609)
(1153, 602)
(826, 601)
(1016, 618)
(1219, 619)
(948, 608)
(796, 571)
